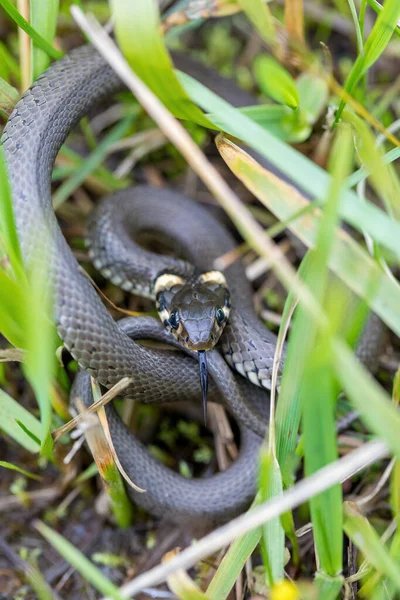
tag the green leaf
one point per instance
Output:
(43, 18)
(273, 537)
(275, 81)
(10, 413)
(78, 560)
(313, 96)
(147, 55)
(23, 24)
(12, 467)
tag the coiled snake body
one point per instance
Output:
(32, 137)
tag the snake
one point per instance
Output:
(240, 365)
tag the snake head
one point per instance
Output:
(195, 312)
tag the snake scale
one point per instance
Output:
(107, 350)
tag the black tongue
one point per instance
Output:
(203, 380)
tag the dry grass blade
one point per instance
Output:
(103, 420)
(334, 473)
(108, 396)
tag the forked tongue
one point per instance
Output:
(203, 380)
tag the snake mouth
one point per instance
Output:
(199, 346)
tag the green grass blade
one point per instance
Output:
(12, 307)
(377, 7)
(41, 344)
(273, 537)
(91, 162)
(233, 562)
(376, 43)
(288, 410)
(306, 174)
(383, 177)
(78, 560)
(275, 81)
(318, 388)
(7, 223)
(43, 18)
(149, 58)
(33, 34)
(359, 36)
(7, 465)
(10, 413)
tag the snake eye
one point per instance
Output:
(174, 319)
(219, 315)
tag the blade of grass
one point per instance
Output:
(382, 177)
(40, 343)
(7, 223)
(273, 537)
(91, 162)
(10, 413)
(319, 390)
(44, 21)
(12, 306)
(39, 41)
(359, 36)
(79, 561)
(113, 483)
(7, 465)
(149, 58)
(375, 45)
(233, 562)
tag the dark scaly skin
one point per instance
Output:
(36, 129)
(247, 345)
(32, 137)
(196, 503)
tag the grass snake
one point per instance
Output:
(107, 350)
